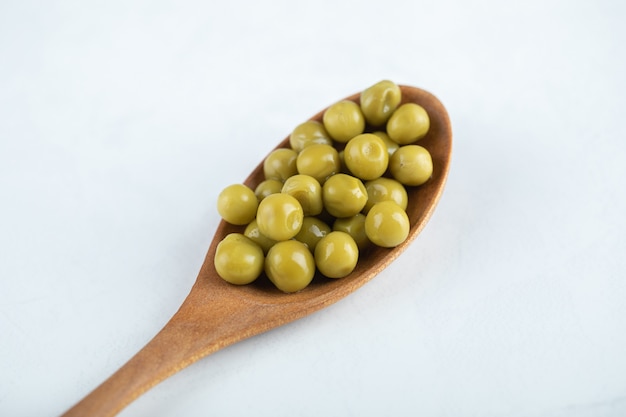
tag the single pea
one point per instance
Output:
(279, 216)
(408, 123)
(336, 255)
(238, 260)
(387, 225)
(379, 101)
(355, 227)
(266, 188)
(307, 190)
(280, 164)
(290, 266)
(312, 230)
(385, 189)
(237, 204)
(366, 156)
(344, 120)
(318, 161)
(411, 165)
(309, 133)
(391, 145)
(253, 233)
(344, 195)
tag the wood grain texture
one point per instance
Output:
(216, 314)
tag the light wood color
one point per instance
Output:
(216, 314)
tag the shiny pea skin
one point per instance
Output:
(366, 156)
(312, 230)
(385, 189)
(355, 227)
(318, 161)
(391, 145)
(409, 123)
(253, 233)
(279, 216)
(280, 164)
(290, 266)
(344, 195)
(266, 188)
(336, 255)
(387, 225)
(238, 260)
(237, 204)
(309, 133)
(411, 165)
(307, 190)
(344, 120)
(379, 101)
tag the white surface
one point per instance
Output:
(120, 122)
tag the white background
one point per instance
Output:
(120, 122)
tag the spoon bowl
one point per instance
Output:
(217, 314)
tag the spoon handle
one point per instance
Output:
(161, 357)
(192, 333)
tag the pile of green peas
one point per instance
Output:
(338, 188)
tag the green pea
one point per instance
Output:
(355, 227)
(253, 233)
(387, 225)
(279, 216)
(344, 120)
(344, 195)
(408, 123)
(379, 101)
(385, 189)
(307, 190)
(336, 255)
(266, 188)
(312, 230)
(237, 204)
(318, 161)
(280, 164)
(238, 260)
(411, 165)
(391, 145)
(290, 266)
(309, 133)
(366, 156)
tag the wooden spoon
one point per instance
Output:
(216, 314)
